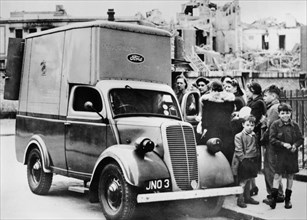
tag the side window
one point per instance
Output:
(85, 94)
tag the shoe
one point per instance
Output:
(251, 201)
(272, 201)
(240, 201)
(288, 204)
(266, 201)
(280, 199)
(254, 191)
(241, 204)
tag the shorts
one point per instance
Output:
(286, 162)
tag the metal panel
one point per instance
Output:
(45, 74)
(13, 69)
(130, 55)
(77, 58)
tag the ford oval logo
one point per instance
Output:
(135, 58)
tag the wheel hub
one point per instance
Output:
(114, 194)
(36, 171)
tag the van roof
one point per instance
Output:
(105, 24)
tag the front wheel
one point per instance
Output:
(39, 181)
(116, 196)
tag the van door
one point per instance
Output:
(85, 131)
(191, 108)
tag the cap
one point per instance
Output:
(284, 107)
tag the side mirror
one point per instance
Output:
(89, 106)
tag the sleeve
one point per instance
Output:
(274, 140)
(239, 147)
(257, 111)
(273, 116)
(300, 139)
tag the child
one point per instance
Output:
(285, 137)
(271, 99)
(246, 152)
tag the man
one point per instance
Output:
(271, 99)
(182, 85)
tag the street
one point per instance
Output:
(18, 202)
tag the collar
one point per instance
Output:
(281, 123)
(249, 134)
(276, 101)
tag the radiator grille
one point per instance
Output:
(182, 149)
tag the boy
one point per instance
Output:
(271, 99)
(246, 152)
(285, 137)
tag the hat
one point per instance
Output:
(255, 88)
(244, 111)
(202, 79)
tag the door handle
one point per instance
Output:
(67, 123)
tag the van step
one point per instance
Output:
(79, 189)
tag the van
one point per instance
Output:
(95, 104)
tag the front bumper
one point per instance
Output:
(191, 194)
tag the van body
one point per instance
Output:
(95, 103)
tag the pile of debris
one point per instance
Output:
(252, 60)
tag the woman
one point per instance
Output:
(217, 108)
(232, 86)
(258, 109)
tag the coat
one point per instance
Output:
(217, 109)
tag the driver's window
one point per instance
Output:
(85, 94)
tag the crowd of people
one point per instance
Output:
(249, 122)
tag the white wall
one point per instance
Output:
(252, 38)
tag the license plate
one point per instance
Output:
(158, 185)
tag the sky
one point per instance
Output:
(251, 10)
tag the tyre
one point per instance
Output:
(116, 196)
(39, 181)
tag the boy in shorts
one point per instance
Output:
(285, 137)
(246, 153)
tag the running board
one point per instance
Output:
(78, 189)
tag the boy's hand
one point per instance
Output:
(293, 149)
(287, 145)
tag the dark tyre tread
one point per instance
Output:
(42, 186)
(128, 199)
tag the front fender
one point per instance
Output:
(214, 170)
(37, 141)
(136, 169)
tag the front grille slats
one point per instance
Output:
(182, 149)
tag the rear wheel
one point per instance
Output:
(116, 196)
(39, 181)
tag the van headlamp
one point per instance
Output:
(214, 145)
(144, 145)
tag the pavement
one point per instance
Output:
(263, 211)
(230, 208)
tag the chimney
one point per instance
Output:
(111, 15)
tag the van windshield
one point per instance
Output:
(140, 102)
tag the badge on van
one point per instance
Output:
(135, 58)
